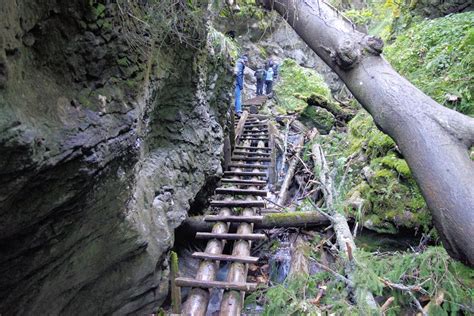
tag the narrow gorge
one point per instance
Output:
(117, 124)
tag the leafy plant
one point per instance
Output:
(437, 56)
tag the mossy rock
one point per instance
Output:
(318, 117)
(297, 84)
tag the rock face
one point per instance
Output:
(102, 150)
(437, 8)
(276, 40)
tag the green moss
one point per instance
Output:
(296, 84)
(318, 117)
(395, 163)
(437, 56)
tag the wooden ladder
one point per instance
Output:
(238, 200)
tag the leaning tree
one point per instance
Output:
(434, 140)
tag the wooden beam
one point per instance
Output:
(240, 125)
(238, 203)
(245, 173)
(247, 166)
(270, 220)
(233, 191)
(234, 218)
(227, 236)
(242, 158)
(189, 282)
(207, 256)
(196, 303)
(243, 137)
(251, 153)
(244, 182)
(253, 147)
(255, 125)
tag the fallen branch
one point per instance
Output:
(282, 196)
(344, 240)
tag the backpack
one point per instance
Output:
(260, 74)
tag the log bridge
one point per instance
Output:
(238, 200)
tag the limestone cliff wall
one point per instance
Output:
(103, 148)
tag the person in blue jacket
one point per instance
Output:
(269, 80)
(239, 82)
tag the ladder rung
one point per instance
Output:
(241, 191)
(247, 166)
(237, 203)
(251, 128)
(245, 173)
(234, 218)
(253, 147)
(188, 282)
(243, 158)
(207, 256)
(255, 124)
(228, 236)
(253, 138)
(250, 153)
(254, 135)
(244, 181)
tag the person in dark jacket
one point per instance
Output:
(260, 76)
(239, 82)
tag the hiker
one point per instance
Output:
(275, 71)
(239, 82)
(260, 76)
(269, 80)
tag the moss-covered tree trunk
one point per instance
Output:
(433, 139)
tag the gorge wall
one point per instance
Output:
(106, 138)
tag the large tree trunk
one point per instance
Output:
(433, 139)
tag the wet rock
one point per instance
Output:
(94, 180)
(3, 73)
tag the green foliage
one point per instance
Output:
(297, 83)
(432, 269)
(438, 57)
(167, 23)
(290, 298)
(360, 17)
(223, 46)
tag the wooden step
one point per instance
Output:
(254, 133)
(253, 138)
(242, 158)
(244, 182)
(189, 282)
(234, 219)
(250, 153)
(252, 147)
(255, 125)
(251, 130)
(237, 203)
(208, 256)
(247, 166)
(227, 236)
(241, 191)
(245, 173)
